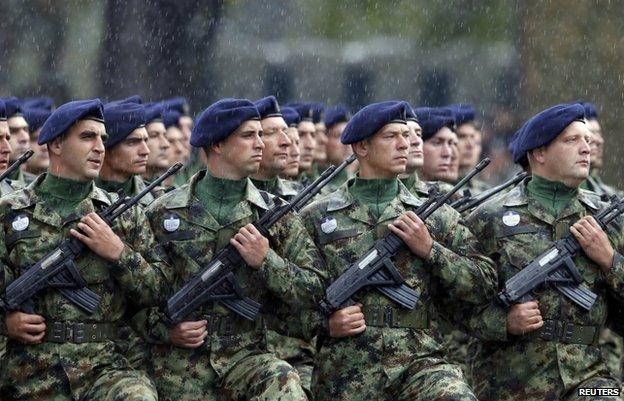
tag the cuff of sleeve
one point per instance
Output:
(435, 257)
(127, 258)
(494, 323)
(615, 275)
(271, 262)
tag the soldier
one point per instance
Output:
(8, 185)
(158, 160)
(20, 139)
(468, 144)
(275, 153)
(375, 350)
(415, 160)
(217, 353)
(546, 349)
(320, 151)
(39, 161)
(177, 150)
(291, 118)
(440, 144)
(307, 141)
(57, 350)
(126, 151)
(594, 182)
(336, 119)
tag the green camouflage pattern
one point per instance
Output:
(182, 374)
(385, 363)
(50, 370)
(527, 367)
(281, 187)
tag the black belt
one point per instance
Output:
(389, 316)
(227, 325)
(567, 332)
(78, 333)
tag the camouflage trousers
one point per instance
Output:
(297, 352)
(612, 347)
(186, 375)
(338, 375)
(117, 385)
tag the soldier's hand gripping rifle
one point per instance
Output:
(375, 269)
(216, 280)
(16, 164)
(468, 201)
(57, 269)
(556, 267)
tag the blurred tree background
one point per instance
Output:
(509, 58)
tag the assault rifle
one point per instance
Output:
(555, 266)
(216, 280)
(375, 268)
(57, 269)
(467, 201)
(16, 164)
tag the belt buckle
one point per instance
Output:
(387, 317)
(567, 332)
(79, 332)
(549, 330)
(58, 332)
(228, 325)
(213, 322)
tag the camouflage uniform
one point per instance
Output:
(283, 188)
(338, 180)
(131, 188)
(6, 187)
(458, 346)
(233, 359)
(297, 352)
(538, 365)
(397, 356)
(66, 365)
(611, 343)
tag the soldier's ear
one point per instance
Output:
(361, 148)
(55, 145)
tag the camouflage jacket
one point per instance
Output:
(288, 276)
(8, 186)
(514, 229)
(283, 188)
(453, 272)
(421, 188)
(594, 183)
(136, 280)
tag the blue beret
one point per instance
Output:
(318, 111)
(305, 110)
(45, 103)
(590, 111)
(291, 116)
(67, 115)
(35, 117)
(171, 117)
(545, 126)
(131, 99)
(464, 113)
(268, 107)
(513, 147)
(3, 114)
(372, 118)
(220, 119)
(411, 114)
(13, 106)
(177, 103)
(337, 114)
(121, 119)
(433, 119)
(153, 112)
